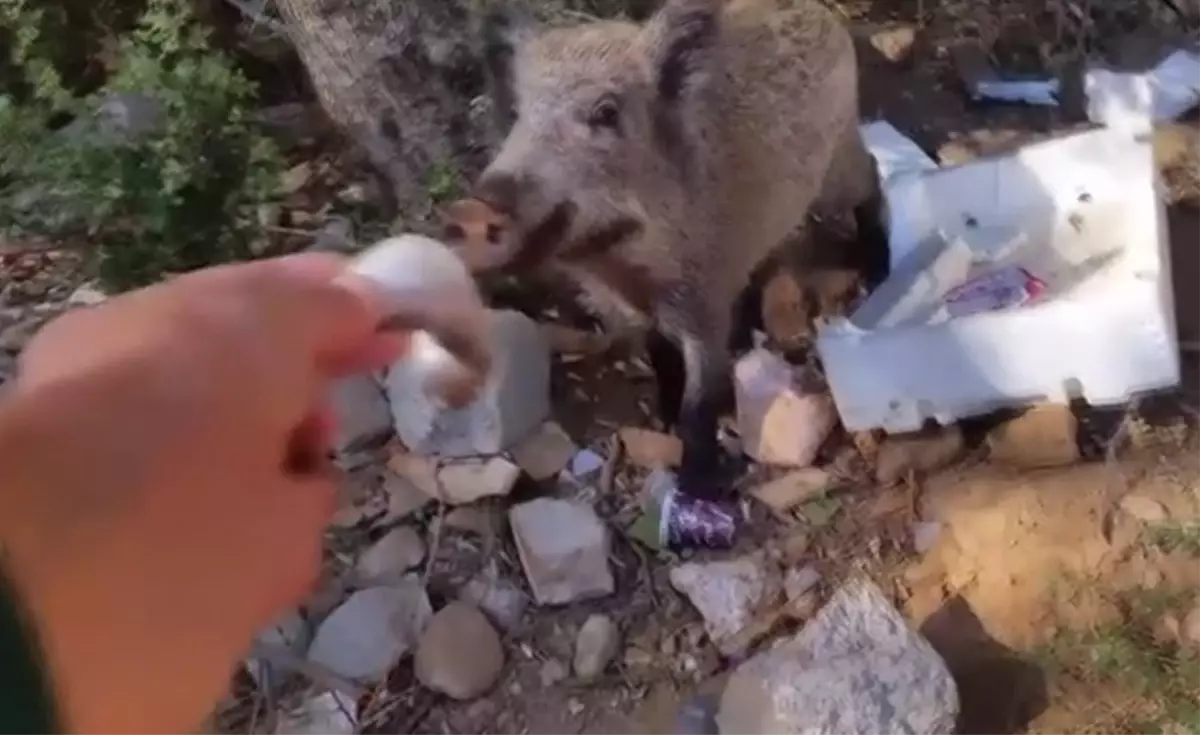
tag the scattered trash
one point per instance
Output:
(585, 463)
(545, 452)
(426, 287)
(595, 646)
(1000, 289)
(779, 421)
(729, 594)
(1043, 436)
(651, 449)
(857, 667)
(1041, 92)
(365, 637)
(684, 521)
(460, 653)
(983, 82)
(468, 481)
(511, 405)
(1134, 101)
(921, 451)
(1081, 214)
(563, 547)
(796, 487)
(900, 163)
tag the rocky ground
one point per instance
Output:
(498, 571)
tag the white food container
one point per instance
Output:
(1088, 222)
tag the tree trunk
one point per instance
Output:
(402, 81)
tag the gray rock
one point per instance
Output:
(460, 653)
(698, 716)
(728, 594)
(387, 560)
(120, 117)
(365, 637)
(329, 713)
(472, 480)
(595, 646)
(291, 632)
(552, 672)
(513, 403)
(403, 497)
(546, 452)
(360, 411)
(502, 601)
(89, 294)
(564, 550)
(335, 236)
(856, 668)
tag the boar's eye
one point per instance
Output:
(605, 114)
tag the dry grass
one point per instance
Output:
(1131, 675)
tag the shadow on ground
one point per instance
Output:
(999, 692)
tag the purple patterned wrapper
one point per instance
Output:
(688, 521)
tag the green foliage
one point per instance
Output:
(441, 181)
(170, 194)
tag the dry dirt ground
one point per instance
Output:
(1053, 608)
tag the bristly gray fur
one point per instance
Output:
(704, 136)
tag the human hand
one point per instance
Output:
(154, 515)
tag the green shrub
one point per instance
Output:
(176, 195)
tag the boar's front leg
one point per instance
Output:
(701, 333)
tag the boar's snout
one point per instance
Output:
(479, 233)
(501, 223)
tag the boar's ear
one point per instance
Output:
(682, 40)
(503, 30)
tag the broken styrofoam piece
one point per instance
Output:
(1039, 92)
(512, 403)
(1136, 100)
(898, 159)
(1103, 330)
(426, 287)
(895, 154)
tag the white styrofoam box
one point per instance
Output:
(1094, 231)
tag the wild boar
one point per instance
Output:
(659, 164)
